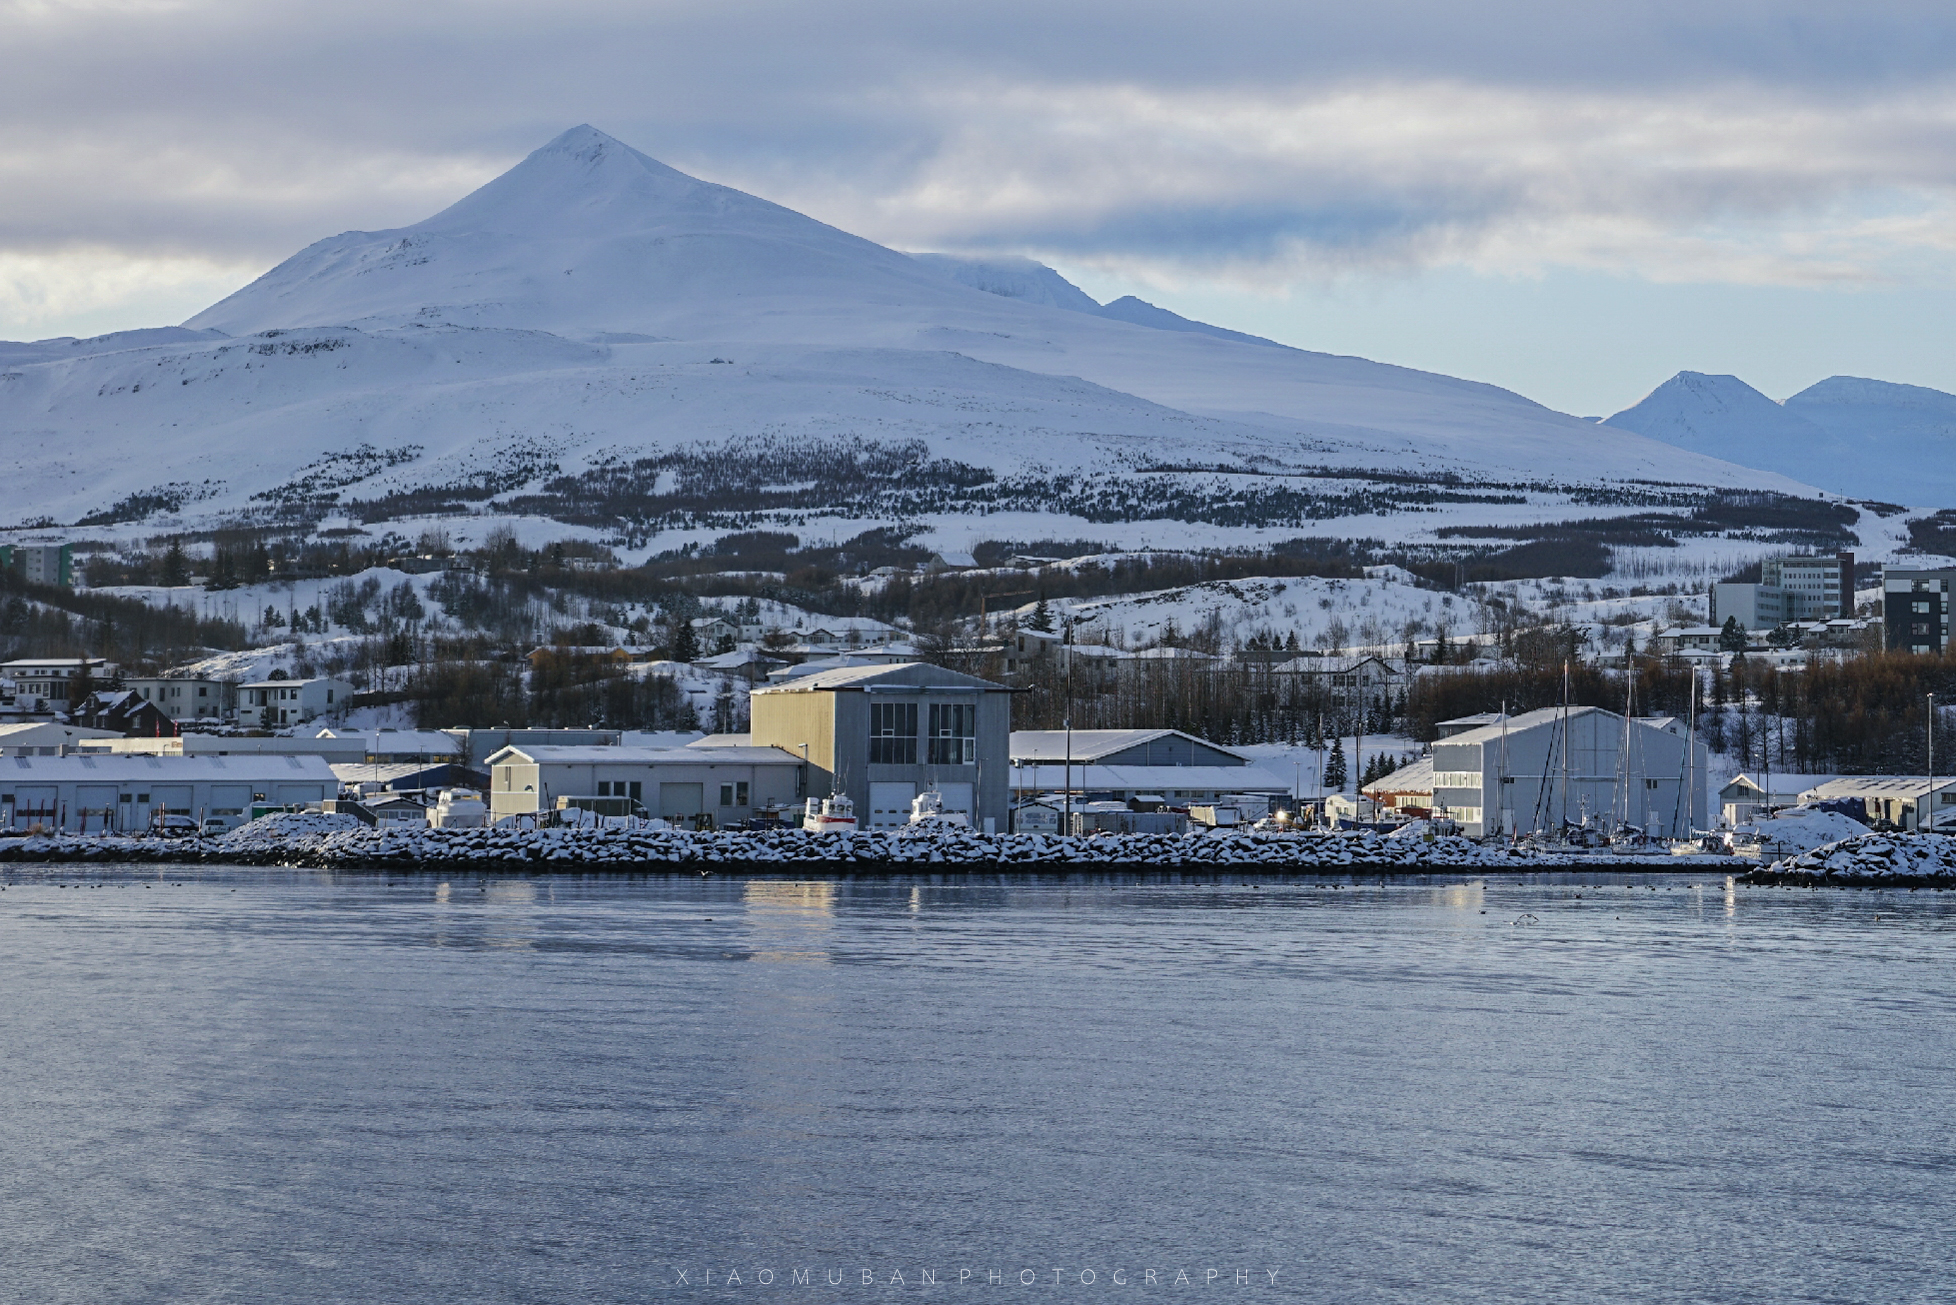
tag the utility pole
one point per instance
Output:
(1930, 797)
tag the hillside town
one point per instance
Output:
(1704, 735)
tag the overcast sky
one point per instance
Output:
(1573, 199)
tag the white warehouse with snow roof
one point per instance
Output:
(97, 792)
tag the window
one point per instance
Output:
(604, 788)
(638, 791)
(726, 795)
(892, 733)
(953, 733)
(1457, 779)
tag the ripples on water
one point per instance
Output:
(253, 1086)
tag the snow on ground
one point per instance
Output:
(1324, 614)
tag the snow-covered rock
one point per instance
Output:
(1871, 859)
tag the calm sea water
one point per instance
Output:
(260, 1086)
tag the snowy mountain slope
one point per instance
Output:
(1142, 313)
(1035, 283)
(592, 312)
(1859, 437)
(1013, 278)
(67, 346)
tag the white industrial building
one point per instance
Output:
(1544, 768)
(679, 784)
(1165, 766)
(1747, 795)
(1902, 800)
(96, 792)
(46, 738)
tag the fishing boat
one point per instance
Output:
(927, 808)
(834, 814)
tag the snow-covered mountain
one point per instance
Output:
(597, 337)
(1870, 439)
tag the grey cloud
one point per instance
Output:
(234, 129)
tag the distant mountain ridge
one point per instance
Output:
(1860, 437)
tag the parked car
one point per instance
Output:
(168, 826)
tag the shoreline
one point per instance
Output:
(863, 854)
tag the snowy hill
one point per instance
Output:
(1860, 437)
(598, 338)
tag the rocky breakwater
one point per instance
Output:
(1869, 861)
(340, 843)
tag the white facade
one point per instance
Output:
(44, 682)
(46, 738)
(679, 784)
(1547, 767)
(185, 699)
(105, 792)
(269, 704)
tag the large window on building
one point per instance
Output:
(892, 733)
(953, 733)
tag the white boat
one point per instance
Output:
(834, 814)
(927, 808)
(459, 808)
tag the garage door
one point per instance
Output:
(94, 807)
(889, 803)
(32, 805)
(681, 799)
(173, 798)
(293, 795)
(957, 798)
(229, 799)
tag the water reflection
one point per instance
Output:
(789, 922)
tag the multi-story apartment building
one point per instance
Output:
(1915, 608)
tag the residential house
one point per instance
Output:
(186, 698)
(1407, 791)
(124, 713)
(271, 704)
(45, 683)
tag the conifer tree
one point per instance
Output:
(1335, 774)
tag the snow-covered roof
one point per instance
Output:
(901, 673)
(1090, 745)
(1416, 777)
(291, 684)
(578, 756)
(1151, 779)
(423, 742)
(51, 731)
(109, 767)
(1891, 787)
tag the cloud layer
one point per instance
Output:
(159, 143)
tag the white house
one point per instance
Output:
(269, 704)
(45, 681)
(96, 792)
(185, 699)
